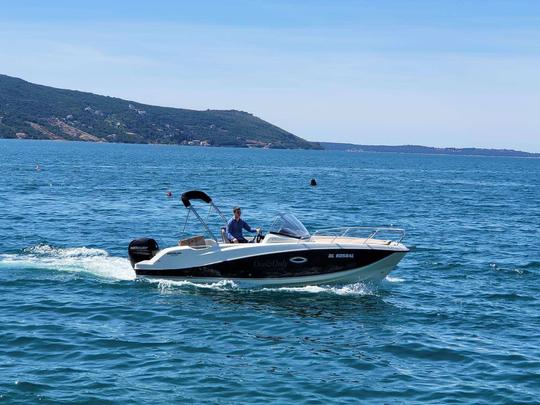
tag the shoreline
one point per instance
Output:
(518, 154)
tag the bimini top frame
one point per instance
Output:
(199, 195)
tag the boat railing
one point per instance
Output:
(367, 232)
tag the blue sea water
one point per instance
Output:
(457, 322)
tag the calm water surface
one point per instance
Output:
(457, 322)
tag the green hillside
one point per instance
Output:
(31, 111)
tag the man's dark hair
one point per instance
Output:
(236, 209)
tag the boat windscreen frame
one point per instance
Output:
(297, 225)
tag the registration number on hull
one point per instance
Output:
(341, 255)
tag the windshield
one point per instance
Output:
(289, 225)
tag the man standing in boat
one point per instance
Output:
(235, 227)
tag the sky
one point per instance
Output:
(435, 73)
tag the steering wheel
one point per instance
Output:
(258, 237)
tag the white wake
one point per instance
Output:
(78, 259)
(349, 289)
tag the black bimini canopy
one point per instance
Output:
(194, 195)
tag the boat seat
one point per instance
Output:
(195, 241)
(224, 235)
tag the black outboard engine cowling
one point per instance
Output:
(142, 249)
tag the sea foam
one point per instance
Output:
(74, 259)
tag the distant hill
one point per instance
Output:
(349, 147)
(31, 111)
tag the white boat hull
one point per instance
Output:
(372, 273)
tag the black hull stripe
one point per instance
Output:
(279, 265)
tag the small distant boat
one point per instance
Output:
(288, 255)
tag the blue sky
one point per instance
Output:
(438, 73)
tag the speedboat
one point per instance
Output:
(288, 255)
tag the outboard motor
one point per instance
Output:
(142, 249)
